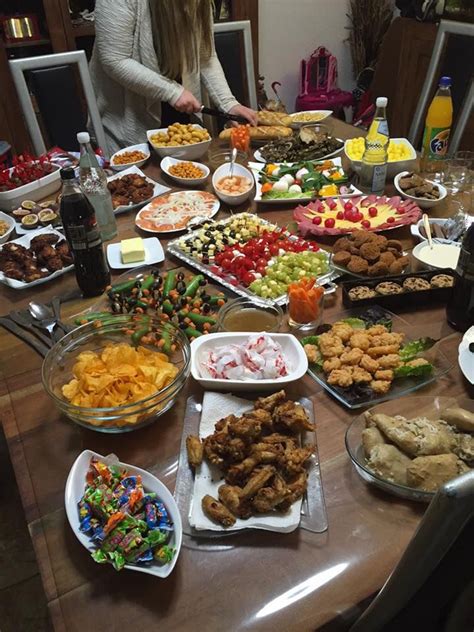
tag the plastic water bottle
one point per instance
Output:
(94, 185)
(374, 161)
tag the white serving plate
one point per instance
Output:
(8, 219)
(466, 357)
(158, 189)
(143, 147)
(257, 167)
(292, 350)
(185, 152)
(239, 170)
(422, 203)
(409, 164)
(259, 158)
(153, 254)
(296, 125)
(75, 486)
(34, 191)
(169, 161)
(25, 241)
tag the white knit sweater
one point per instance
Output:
(126, 75)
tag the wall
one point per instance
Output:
(290, 30)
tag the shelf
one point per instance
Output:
(84, 29)
(27, 43)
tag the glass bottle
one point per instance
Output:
(460, 310)
(374, 160)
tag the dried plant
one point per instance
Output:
(369, 21)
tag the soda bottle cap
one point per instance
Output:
(445, 82)
(67, 173)
(83, 137)
(381, 102)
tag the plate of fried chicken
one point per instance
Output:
(34, 259)
(254, 466)
(131, 189)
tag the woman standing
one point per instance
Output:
(149, 59)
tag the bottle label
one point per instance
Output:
(436, 140)
(383, 128)
(378, 178)
(84, 236)
(465, 267)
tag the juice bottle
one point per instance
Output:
(437, 128)
(374, 160)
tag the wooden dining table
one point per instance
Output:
(254, 580)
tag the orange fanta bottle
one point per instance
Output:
(437, 127)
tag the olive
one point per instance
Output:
(206, 308)
(183, 325)
(202, 282)
(116, 307)
(180, 276)
(205, 260)
(138, 283)
(208, 233)
(132, 302)
(205, 298)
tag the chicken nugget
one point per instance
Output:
(395, 244)
(376, 330)
(342, 330)
(390, 361)
(360, 340)
(331, 364)
(312, 353)
(342, 243)
(378, 269)
(330, 345)
(369, 364)
(384, 374)
(384, 350)
(341, 377)
(360, 237)
(361, 376)
(342, 258)
(398, 265)
(370, 252)
(387, 339)
(358, 265)
(388, 258)
(380, 386)
(352, 357)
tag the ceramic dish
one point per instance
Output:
(36, 190)
(153, 254)
(408, 407)
(25, 241)
(75, 485)
(415, 229)
(292, 350)
(10, 221)
(173, 211)
(444, 255)
(168, 162)
(392, 167)
(466, 356)
(322, 114)
(401, 386)
(143, 147)
(184, 152)
(259, 158)
(158, 189)
(421, 202)
(222, 172)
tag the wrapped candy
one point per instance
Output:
(85, 516)
(164, 554)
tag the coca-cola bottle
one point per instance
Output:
(460, 310)
(83, 235)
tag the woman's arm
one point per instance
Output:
(115, 23)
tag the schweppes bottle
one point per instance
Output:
(437, 129)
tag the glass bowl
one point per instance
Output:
(249, 306)
(58, 366)
(221, 156)
(408, 407)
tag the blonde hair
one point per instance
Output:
(182, 33)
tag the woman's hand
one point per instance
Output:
(246, 113)
(187, 102)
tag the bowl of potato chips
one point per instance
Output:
(118, 373)
(187, 142)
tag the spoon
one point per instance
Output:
(43, 315)
(426, 224)
(232, 162)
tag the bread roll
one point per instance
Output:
(264, 117)
(271, 132)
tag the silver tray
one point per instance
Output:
(313, 508)
(174, 249)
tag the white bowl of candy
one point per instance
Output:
(243, 361)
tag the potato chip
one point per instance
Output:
(117, 376)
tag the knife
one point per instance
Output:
(224, 115)
(25, 322)
(56, 306)
(17, 331)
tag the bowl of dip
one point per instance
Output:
(249, 314)
(441, 256)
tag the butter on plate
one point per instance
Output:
(132, 250)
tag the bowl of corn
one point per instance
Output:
(401, 155)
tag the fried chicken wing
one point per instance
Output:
(195, 450)
(267, 498)
(269, 403)
(238, 473)
(293, 416)
(230, 496)
(217, 512)
(295, 459)
(257, 480)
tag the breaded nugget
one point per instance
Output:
(387, 339)
(387, 258)
(358, 265)
(360, 237)
(342, 258)
(417, 362)
(352, 357)
(378, 269)
(385, 350)
(390, 361)
(369, 364)
(360, 340)
(330, 345)
(343, 243)
(398, 266)
(361, 376)
(343, 330)
(376, 330)
(384, 374)
(331, 364)
(341, 377)
(370, 251)
(380, 386)
(312, 353)
(394, 243)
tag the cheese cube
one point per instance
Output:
(132, 250)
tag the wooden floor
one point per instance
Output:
(22, 601)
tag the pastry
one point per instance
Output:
(361, 292)
(442, 280)
(388, 287)
(416, 284)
